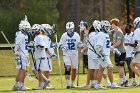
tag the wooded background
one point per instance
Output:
(61, 11)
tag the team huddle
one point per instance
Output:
(95, 47)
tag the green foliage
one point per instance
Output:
(38, 11)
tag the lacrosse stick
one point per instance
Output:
(58, 56)
(81, 24)
(28, 75)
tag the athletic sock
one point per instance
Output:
(124, 79)
(68, 82)
(72, 83)
(121, 80)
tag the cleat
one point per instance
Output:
(138, 84)
(15, 88)
(23, 88)
(125, 84)
(46, 83)
(85, 86)
(99, 86)
(49, 87)
(130, 83)
(114, 85)
(68, 87)
(108, 84)
(93, 85)
(73, 86)
(134, 83)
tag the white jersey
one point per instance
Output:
(48, 44)
(21, 42)
(128, 38)
(39, 52)
(103, 40)
(137, 36)
(92, 39)
(71, 43)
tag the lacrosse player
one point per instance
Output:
(69, 43)
(129, 46)
(21, 54)
(84, 28)
(103, 49)
(93, 64)
(118, 42)
(40, 56)
(136, 51)
(50, 54)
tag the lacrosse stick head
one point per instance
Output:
(83, 25)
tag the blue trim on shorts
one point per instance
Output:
(48, 63)
(39, 64)
(21, 62)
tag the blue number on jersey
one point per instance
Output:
(71, 46)
(108, 44)
(26, 44)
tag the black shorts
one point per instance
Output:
(85, 61)
(120, 60)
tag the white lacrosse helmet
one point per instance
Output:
(97, 25)
(36, 28)
(136, 22)
(70, 26)
(105, 23)
(47, 29)
(24, 25)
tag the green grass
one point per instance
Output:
(7, 82)
(7, 68)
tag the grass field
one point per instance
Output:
(7, 82)
(7, 68)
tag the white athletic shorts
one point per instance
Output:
(41, 63)
(136, 59)
(22, 62)
(105, 64)
(46, 66)
(92, 63)
(71, 60)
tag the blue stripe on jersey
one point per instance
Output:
(48, 63)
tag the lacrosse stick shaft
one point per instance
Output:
(59, 62)
(79, 60)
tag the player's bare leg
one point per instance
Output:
(91, 74)
(110, 75)
(100, 74)
(135, 70)
(121, 75)
(105, 76)
(73, 76)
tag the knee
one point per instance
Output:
(67, 71)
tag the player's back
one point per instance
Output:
(39, 52)
(92, 39)
(103, 40)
